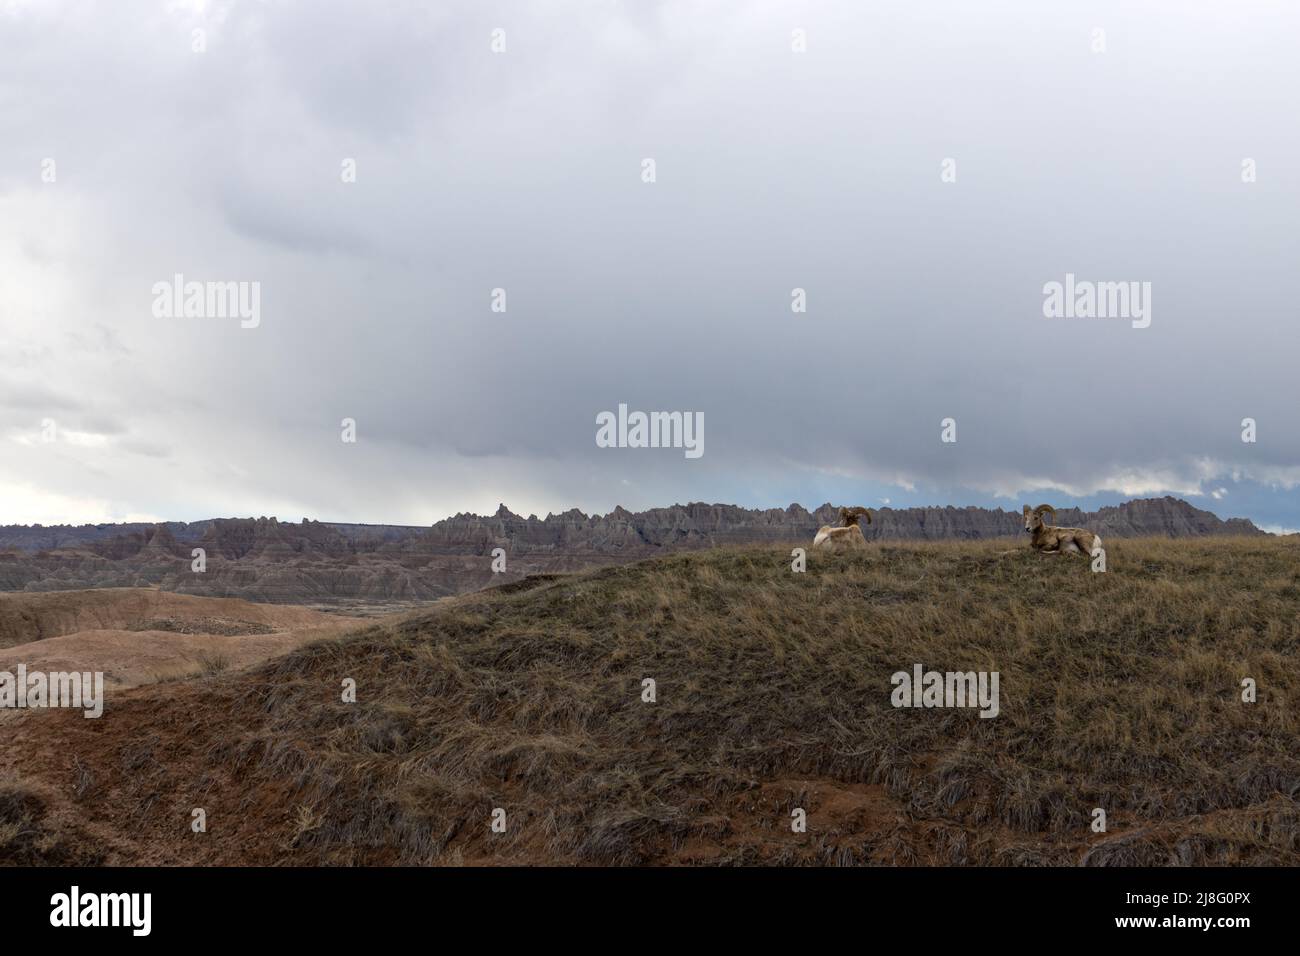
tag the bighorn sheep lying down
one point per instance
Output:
(1049, 539)
(846, 538)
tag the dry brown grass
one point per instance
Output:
(1118, 690)
(28, 836)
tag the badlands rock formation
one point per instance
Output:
(317, 563)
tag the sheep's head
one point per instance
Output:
(1034, 517)
(850, 516)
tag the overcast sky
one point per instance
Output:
(523, 170)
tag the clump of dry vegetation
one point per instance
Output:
(211, 663)
(27, 836)
(1119, 690)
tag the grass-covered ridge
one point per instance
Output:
(1119, 690)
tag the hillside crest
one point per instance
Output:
(316, 562)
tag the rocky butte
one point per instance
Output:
(321, 563)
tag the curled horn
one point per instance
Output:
(1041, 508)
(850, 516)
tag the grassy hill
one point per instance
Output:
(1119, 690)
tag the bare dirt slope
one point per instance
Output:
(1119, 690)
(28, 617)
(129, 658)
(140, 635)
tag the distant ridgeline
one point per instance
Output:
(262, 559)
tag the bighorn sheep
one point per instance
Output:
(846, 538)
(1049, 539)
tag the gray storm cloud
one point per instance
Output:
(521, 170)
